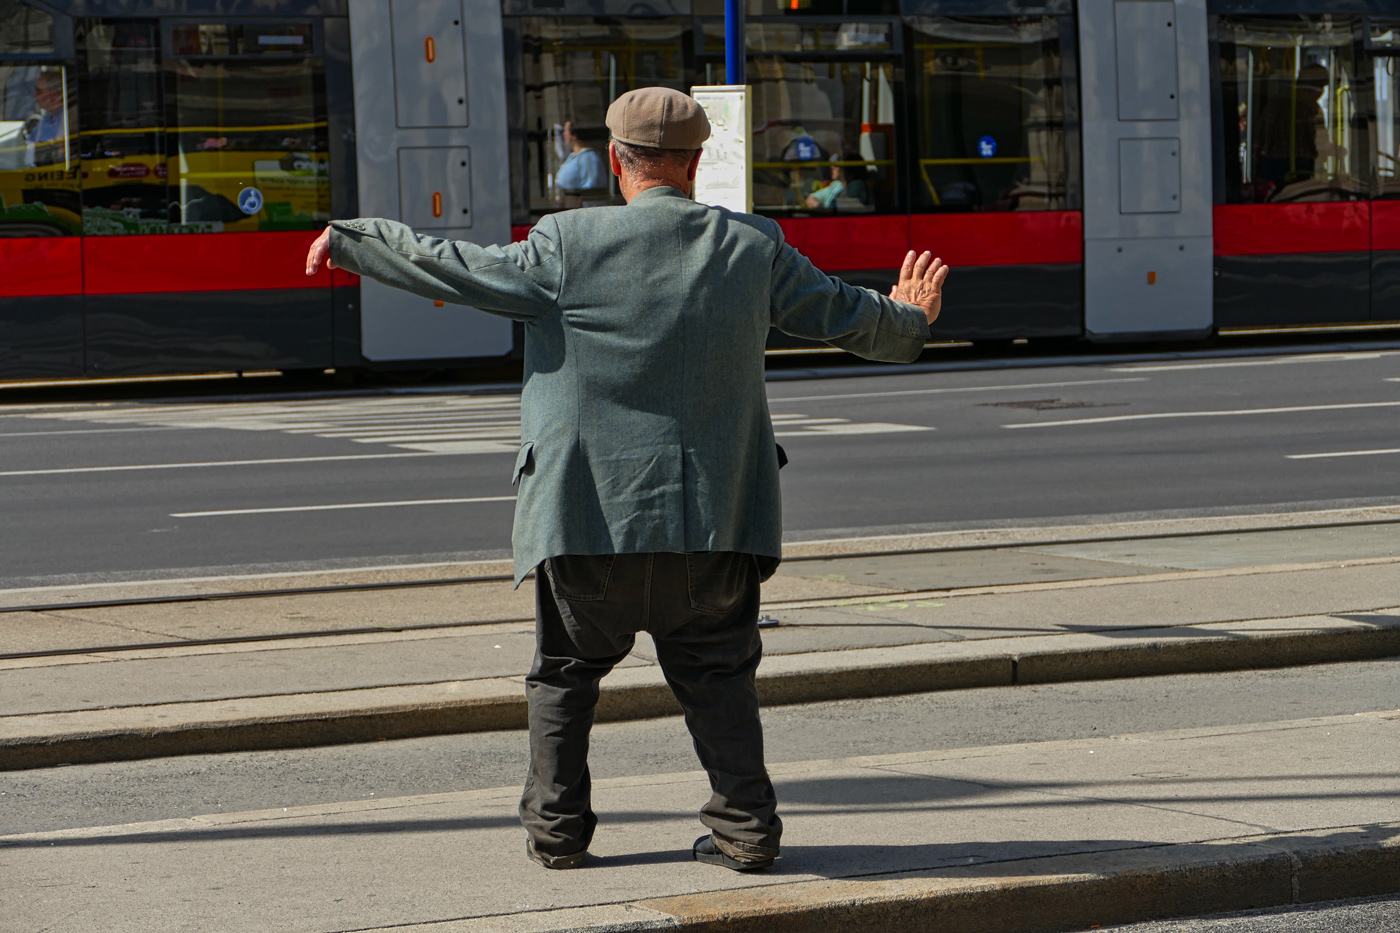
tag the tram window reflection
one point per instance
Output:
(573, 69)
(251, 150)
(25, 29)
(990, 107)
(39, 173)
(121, 114)
(1288, 84)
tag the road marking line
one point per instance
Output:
(1024, 385)
(443, 426)
(872, 427)
(343, 505)
(507, 446)
(1157, 416)
(1315, 358)
(214, 463)
(89, 431)
(1344, 453)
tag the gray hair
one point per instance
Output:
(645, 160)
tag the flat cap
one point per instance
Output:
(660, 118)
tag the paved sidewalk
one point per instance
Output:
(1057, 836)
(112, 682)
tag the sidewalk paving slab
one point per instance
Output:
(638, 690)
(392, 680)
(1035, 838)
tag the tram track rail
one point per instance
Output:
(336, 589)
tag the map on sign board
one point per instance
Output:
(725, 176)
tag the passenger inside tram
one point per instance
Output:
(35, 123)
(846, 190)
(584, 170)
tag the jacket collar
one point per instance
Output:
(660, 191)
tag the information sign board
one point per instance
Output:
(725, 175)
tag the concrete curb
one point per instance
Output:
(1066, 893)
(1057, 894)
(349, 716)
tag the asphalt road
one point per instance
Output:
(1368, 915)
(127, 490)
(122, 792)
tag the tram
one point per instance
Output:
(1093, 169)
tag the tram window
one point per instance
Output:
(39, 176)
(208, 143)
(249, 145)
(1287, 93)
(122, 117)
(25, 30)
(1387, 77)
(574, 69)
(990, 104)
(825, 136)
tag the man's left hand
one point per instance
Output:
(921, 283)
(320, 252)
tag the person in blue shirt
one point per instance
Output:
(46, 124)
(583, 167)
(846, 182)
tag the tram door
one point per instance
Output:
(431, 152)
(1147, 168)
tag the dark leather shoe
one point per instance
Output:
(706, 851)
(557, 862)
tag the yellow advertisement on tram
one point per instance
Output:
(208, 188)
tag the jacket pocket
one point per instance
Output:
(524, 462)
(717, 581)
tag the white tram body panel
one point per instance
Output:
(1148, 261)
(431, 152)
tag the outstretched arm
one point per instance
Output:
(808, 303)
(519, 281)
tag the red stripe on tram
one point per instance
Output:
(201, 262)
(41, 266)
(1311, 227)
(1385, 225)
(1001, 238)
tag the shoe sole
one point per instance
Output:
(557, 862)
(725, 861)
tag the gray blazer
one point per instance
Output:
(644, 419)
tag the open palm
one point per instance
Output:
(921, 283)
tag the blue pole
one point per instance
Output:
(734, 47)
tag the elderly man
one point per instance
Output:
(648, 471)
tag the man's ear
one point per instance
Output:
(694, 165)
(613, 161)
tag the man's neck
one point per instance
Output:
(630, 187)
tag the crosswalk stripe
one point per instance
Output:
(443, 424)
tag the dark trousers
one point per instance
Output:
(702, 612)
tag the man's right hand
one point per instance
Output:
(320, 252)
(921, 283)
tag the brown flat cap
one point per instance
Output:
(659, 118)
